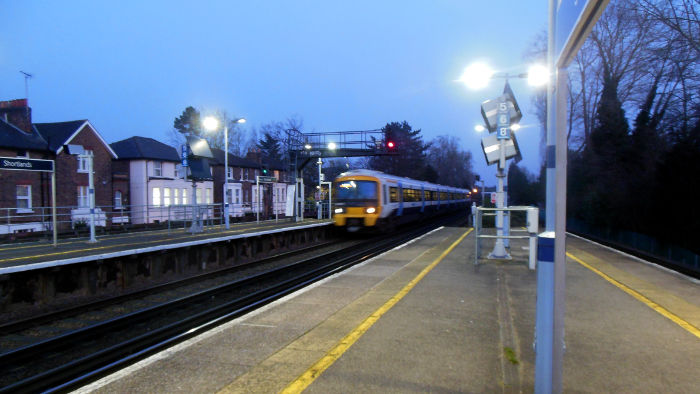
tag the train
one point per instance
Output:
(373, 200)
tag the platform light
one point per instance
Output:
(307, 146)
(331, 145)
(479, 128)
(476, 76)
(515, 126)
(537, 75)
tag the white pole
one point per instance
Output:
(91, 191)
(53, 205)
(226, 219)
(320, 207)
(257, 195)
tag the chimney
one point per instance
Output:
(17, 113)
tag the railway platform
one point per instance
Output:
(424, 318)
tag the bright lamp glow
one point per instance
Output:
(479, 128)
(331, 145)
(370, 210)
(241, 120)
(210, 123)
(537, 75)
(515, 126)
(476, 76)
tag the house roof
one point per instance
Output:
(144, 148)
(12, 137)
(233, 161)
(58, 134)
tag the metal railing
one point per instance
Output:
(532, 226)
(74, 221)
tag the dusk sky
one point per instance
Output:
(131, 67)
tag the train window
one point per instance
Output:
(443, 196)
(394, 194)
(356, 190)
(385, 193)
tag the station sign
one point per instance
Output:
(265, 179)
(22, 164)
(574, 21)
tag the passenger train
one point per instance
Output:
(366, 199)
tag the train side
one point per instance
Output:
(366, 199)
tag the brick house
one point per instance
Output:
(46, 141)
(158, 189)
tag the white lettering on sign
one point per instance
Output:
(8, 163)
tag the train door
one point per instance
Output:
(422, 198)
(400, 210)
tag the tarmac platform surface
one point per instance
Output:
(424, 318)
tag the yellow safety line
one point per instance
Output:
(121, 245)
(651, 304)
(303, 381)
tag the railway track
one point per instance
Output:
(120, 335)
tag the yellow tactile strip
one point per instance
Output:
(662, 301)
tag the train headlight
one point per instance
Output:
(370, 210)
(339, 210)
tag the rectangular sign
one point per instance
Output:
(574, 21)
(22, 164)
(266, 179)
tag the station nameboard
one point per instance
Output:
(22, 164)
(266, 179)
(574, 21)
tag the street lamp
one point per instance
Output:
(211, 123)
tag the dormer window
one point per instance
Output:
(157, 168)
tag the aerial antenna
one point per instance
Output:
(27, 76)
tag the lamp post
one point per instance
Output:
(499, 115)
(212, 123)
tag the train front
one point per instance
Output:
(356, 202)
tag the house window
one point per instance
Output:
(176, 196)
(184, 196)
(117, 200)
(246, 174)
(24, 197)
(156, 196)
(83, 161)
(83, 199)
(228, 196)
(199, 196)
(238, 196)
(229, 172)
(208, 196)
(157, 168)
(166, 196)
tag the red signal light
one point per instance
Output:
(390, 144)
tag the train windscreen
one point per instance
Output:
(356, 190)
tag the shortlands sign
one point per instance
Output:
(18, 163)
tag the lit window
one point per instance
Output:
(83, 161)
(24, 197)
(208, 196)
(156, 196)
(176, 196)
(157, 168)
(118, 200)
(166, 196)
(83, 200)
(198, 196)
(238, 196)
(184, 196)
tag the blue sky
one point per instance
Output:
(131, 67)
